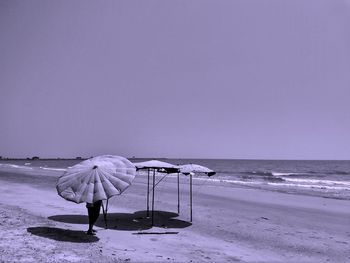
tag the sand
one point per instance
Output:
(229, 224)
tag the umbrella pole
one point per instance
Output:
(148, 192)
(191, 194)
(106, 211)
(178, 193)
(104, 214)
(154, 175)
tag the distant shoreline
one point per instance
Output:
(170, 158)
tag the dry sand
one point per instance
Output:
(230, 224)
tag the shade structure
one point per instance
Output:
(96, 179)
(190, 169)
(156, 166)
(196, 168)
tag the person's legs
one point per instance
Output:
(93, 212)
(91, 218)
(97, 209)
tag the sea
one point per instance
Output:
(328, 179)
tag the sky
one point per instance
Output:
(256, 79)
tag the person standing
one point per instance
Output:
(93, 213)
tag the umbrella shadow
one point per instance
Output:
(64, 235)
(128, 221)
(163, 219)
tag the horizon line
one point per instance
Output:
(178, 158)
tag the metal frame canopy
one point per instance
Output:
(190, 169)
(164, 167)
(157, 166)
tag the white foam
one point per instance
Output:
(290, 182)
(8, 165)
(304, 183)
(227, 181)
(283, 174)
(317, 181)
(26, 167)
(53, 169)
(205, 178)
(310, 186)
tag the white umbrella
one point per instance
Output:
(96, 179)
(122, 165)
(159, 166)
(190, 169)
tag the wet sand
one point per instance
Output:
(229, 224)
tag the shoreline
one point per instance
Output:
(230, 224)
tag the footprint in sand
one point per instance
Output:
(314, 237)
(341, 242)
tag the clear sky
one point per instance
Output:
(265, 79)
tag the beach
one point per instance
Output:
(230, 223)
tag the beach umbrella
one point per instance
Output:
(190, 169)
(96, 179)
(156, 166)
(116, 160)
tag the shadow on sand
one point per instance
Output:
(129, 222)
(64, 235)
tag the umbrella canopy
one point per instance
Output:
(157, 165)
(195, 168)
(96, 179)
(128, 168)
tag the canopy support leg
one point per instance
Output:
(148, 192)
(191, 194)
(178, 193)
(154, 176)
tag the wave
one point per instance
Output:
(337, 172)
(278, 173)
(288, 182)
(311, 186)
(26, 167)
(316, 181)
(259, 173)
(301, 183)
(225, 172)
(14, 166)
(53, 169)
(227, 181)
(336, 186)
(270, 173)
(284, 174)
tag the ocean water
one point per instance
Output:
(329, 179)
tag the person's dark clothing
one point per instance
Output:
(94, 213)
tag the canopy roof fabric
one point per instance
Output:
(195, 168)
(96, 179)
(157, 165)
